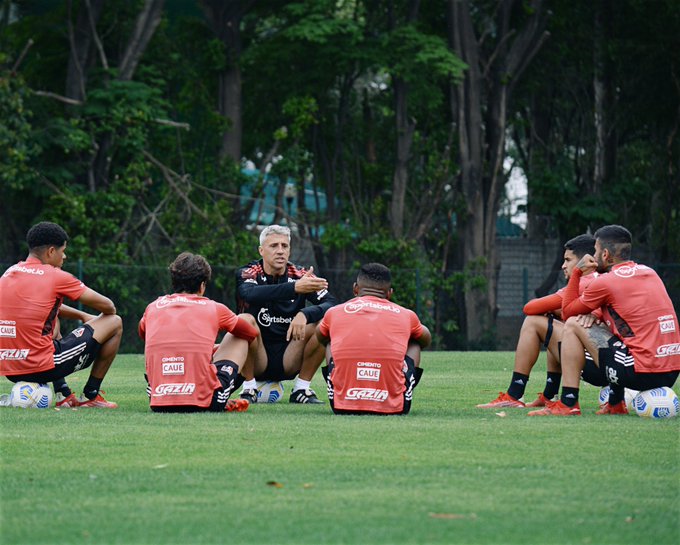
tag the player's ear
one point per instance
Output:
(389, 293)
(355, 289)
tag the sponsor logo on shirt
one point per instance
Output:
(8, 328)
(368, 374)
(27, 270)
(359, 304)
(666, 324)
(666, 350)
(166, 301)
(627, 271)
(265, 319)
(367, 394)
(173, 368)
(175, 389)
(14, 353)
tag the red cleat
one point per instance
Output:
(619, 408)
(541, 401)
(97, 403)
(557, 409)
(237, 405)
(503, 400)
(70, 402)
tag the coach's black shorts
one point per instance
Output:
(412, 375)
(274, 371)
(76, 351)
(227, 374)
(618, 365)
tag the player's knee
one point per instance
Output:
(249, 318)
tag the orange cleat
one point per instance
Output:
(97, 403)
(619, 408)
(67, 402)
(237, 405)
(557, 409)
(503, 400)
(541, 401)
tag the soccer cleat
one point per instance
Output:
(4, 400)
(503, 400)
(97, 403)
(619, 408)
(557, 409)
(541, 401)
(249, 394)
(71, 401)
(237, 405)
(304, 396)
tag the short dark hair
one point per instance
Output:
(581, 245)
(188, 271)
(46, 233)
(616, 239)
(375, 275)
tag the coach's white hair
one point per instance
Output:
(274, 230)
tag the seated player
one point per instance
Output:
(276, 292)
(31, 294)
(542, 327)
(184, 370)
(373, 348)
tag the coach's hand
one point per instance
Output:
(296, 329)
(310, 283)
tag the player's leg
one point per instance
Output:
(531, 336)
(413, 351)
(304, 357)
(255, 364)
(107, 331)
(553, 369)
(64, 396)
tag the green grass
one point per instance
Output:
(448, 473)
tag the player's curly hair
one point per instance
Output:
(46, 234)
(188, 272)
(375, 274)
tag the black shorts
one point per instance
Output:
(227, 374)
(274, 371)
(76, 351)
(618, 366)
(592, 374)
(412, 375)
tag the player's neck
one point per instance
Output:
(371, 292)
(271, 271)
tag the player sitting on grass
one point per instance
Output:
(184, 371)
(275, 292)
(640, 348)
(542, 327)
(373, 348)
(31, 293)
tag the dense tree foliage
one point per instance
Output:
(130, 123)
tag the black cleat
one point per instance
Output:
(249, 395)
(305, 396)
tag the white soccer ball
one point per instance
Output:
(30, 395)
(269, 392)
(629, 396)
(657, 403)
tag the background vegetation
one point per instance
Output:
(130, 123)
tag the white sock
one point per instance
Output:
(250, 384)
(301, 384)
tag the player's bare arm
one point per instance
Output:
(425, 338)
(70, 313)
(97, 301)
(309, 283)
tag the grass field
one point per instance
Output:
(448, 473)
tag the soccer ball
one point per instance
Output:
(30, 395)
(657, 403)
(269, 392)
(629, 396)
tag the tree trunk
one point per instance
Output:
(80, 40)
(405, 129)
(482, 144)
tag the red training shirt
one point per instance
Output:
(369, 337)
(179, 332)
(30, 296)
